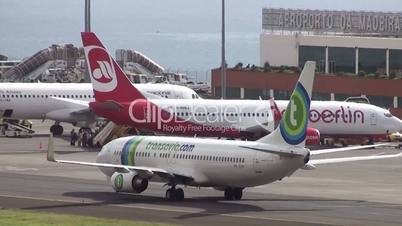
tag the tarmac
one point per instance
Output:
(358, 193)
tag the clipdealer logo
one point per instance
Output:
(199, 117)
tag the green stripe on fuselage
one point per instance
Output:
(133, 149)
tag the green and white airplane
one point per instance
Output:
(227, 165)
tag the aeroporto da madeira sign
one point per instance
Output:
(382, 23)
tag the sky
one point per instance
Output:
(172, 32)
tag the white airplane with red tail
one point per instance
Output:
(119, 101)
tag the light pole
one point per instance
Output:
(87, 28)
(87, 15)
(223, 63)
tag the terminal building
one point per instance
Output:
(358, 53)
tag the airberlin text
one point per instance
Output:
(341, 115)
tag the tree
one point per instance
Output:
(267, 67)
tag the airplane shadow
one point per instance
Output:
(210, 206)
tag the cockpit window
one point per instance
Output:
(388, 115)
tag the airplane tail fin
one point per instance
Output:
(275, 111)
(109, 82)
(293, 125)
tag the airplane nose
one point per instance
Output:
(397, 123)
(101, 155)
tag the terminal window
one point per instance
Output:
(341, 60)
(321, 96)
(399, 102)
(314, 53)
(372, 60)
(381, 101)
(232, 93)
(252, 94)
(395, 61)
(281, 95)
(342, 96)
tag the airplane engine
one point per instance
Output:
(128, 182)
(312, 136)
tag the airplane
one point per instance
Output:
(117, 100)
(349, 121)
(248, 119)
(228, 165)
(53, 101)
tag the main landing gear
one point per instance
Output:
(174, 194)
(233, 193)
(56, 129)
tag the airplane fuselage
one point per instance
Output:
(209, 162)
(216, 118)
(35, 100)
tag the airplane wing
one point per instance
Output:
(286, 153)
(74, 111)
(74, 102)
(352, 148)
(351, 159)
(140, 169)
(313, 162)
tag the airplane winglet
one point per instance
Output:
(50, 149)
(309, 166)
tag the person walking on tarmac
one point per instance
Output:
(80, 137)
(85, 139)
(73, 137)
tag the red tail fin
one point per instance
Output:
(275, 111)
(109, 82)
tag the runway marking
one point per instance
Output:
(170, 210)
(18, 169)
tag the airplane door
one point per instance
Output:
(257, 162)
(171, 160)
(373, 118)
(7, 113)
(261, 161)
